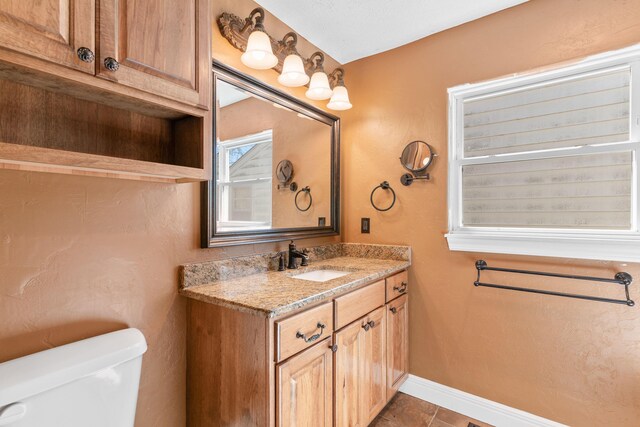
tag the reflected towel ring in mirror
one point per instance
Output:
(304, 190)
(385, 186)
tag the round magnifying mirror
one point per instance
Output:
(284, 171)
(416, 156)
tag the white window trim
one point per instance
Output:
(223, 166)
(621, 245)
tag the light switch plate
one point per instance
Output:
(365, 225)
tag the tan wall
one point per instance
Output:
(83, 256)
(305, 143)
(572, 361)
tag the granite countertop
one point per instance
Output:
(272, 293)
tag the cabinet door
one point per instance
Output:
(52, 30)
(161, 47)
(397, 343)
(348, 374)
(304, 388)
(374, 368)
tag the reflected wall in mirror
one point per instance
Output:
(261, 133)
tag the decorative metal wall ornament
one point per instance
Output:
(237, 31)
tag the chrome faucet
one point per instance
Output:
(294, 253)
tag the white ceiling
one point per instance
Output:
(352, 29)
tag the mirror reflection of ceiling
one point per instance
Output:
(354, 29)
(228, 94)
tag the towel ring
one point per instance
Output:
(385, 186)
(304, 190)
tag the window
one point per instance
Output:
(244, 182)
(546, 163)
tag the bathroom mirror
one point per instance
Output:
(416, 156)
(262, 137)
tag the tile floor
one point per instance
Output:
(407, 411)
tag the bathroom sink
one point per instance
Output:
(321, 275)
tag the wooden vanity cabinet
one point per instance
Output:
(304, 388)
(333, 364)
(397, 319)
(360, 370)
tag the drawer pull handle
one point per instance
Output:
(312, 338)
(402, 288)
(393, 310)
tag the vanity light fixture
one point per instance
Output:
(293, 73)
(259, 54)
(319, 88)
(340, 97)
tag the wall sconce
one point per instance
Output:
(263, 52)
(340, 98)
(319, 88)
(259, 54)
(293, 74)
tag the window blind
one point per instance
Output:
(584, 191)
(583, 110)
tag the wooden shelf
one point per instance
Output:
(44, 131)
(37, 159)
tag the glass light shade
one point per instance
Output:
(259, 54)
(339, 99)
(319, 88)
(293, 74)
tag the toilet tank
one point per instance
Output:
(93, 382)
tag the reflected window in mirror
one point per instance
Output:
(243, 182)
(256, 129)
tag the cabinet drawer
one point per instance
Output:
(358, 303)
(397, 285)
(303, 330)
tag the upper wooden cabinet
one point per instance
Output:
(157, 47)
(112, 88)
(52, 30)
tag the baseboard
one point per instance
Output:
(472, 406)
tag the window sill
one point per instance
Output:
(605, 247)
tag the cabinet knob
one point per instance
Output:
(85, 54)
(366, 326)
(111, 64)
(393, 310)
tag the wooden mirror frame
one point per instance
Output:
(209, 237)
